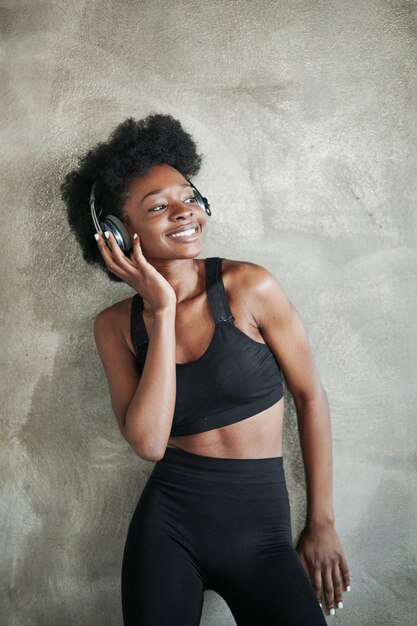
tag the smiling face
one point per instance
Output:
(158, 203)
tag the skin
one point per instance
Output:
(172, 282)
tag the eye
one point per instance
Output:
(164, 205)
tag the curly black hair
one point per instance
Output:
(131, 150)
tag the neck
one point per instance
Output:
(186, 276)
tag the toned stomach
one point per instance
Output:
(258, 436)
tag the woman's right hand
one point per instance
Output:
(137, 272)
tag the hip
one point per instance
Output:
(230, 500)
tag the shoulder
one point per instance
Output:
(257, 286)
(114, 319)
(250, 277)
(114, 312)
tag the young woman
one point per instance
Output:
(195, 364)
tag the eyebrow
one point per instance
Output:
(150, 193)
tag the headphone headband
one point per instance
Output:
(93, 210)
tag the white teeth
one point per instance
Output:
(184, 233)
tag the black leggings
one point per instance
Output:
(215, 523)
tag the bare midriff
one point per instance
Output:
(258, 436)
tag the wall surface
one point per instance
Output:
(306, 114)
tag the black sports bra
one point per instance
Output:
(235, 378)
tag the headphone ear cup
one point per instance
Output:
(207, 206)
(119, 231)
(203, 202)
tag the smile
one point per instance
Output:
(186, 235)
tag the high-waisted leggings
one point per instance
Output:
(215, 523)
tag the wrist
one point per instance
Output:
(165, 309)
(320, 521)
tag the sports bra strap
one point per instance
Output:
(216, 292)
(216, 295)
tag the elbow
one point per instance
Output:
(145, 444)
(146, 454)
(323, 393)
(317, 395)
(144, 449)
(320, 391)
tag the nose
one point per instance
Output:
(181, 210)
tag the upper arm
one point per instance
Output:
(120, 365)
(284, 332)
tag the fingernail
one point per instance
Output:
(332, 611)
(340, 605)
(348, 588)
(106, 234)
(321, 604)
(96, 235)
(135, 236)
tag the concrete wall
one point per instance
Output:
(306, 113)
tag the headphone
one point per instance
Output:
(118, 229)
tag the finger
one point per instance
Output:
(345, 573)
(112, 244)
(121, 261)
(316, 581)
(328, 589)
(110, 261)
(337, 586)
(137, 253)
(104, 248)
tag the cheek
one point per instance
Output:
(152, 239)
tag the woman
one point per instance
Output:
(195, 362)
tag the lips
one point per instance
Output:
(190, 234)
(183, 227)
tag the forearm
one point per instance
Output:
(314, 427)
(149, 416)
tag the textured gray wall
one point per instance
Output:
(306, 113)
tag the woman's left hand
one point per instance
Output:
(323, 558)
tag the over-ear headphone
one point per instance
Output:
(118, 229)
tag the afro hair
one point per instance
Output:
(132, 149)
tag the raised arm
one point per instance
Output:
(319, 547)
(143, 404)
